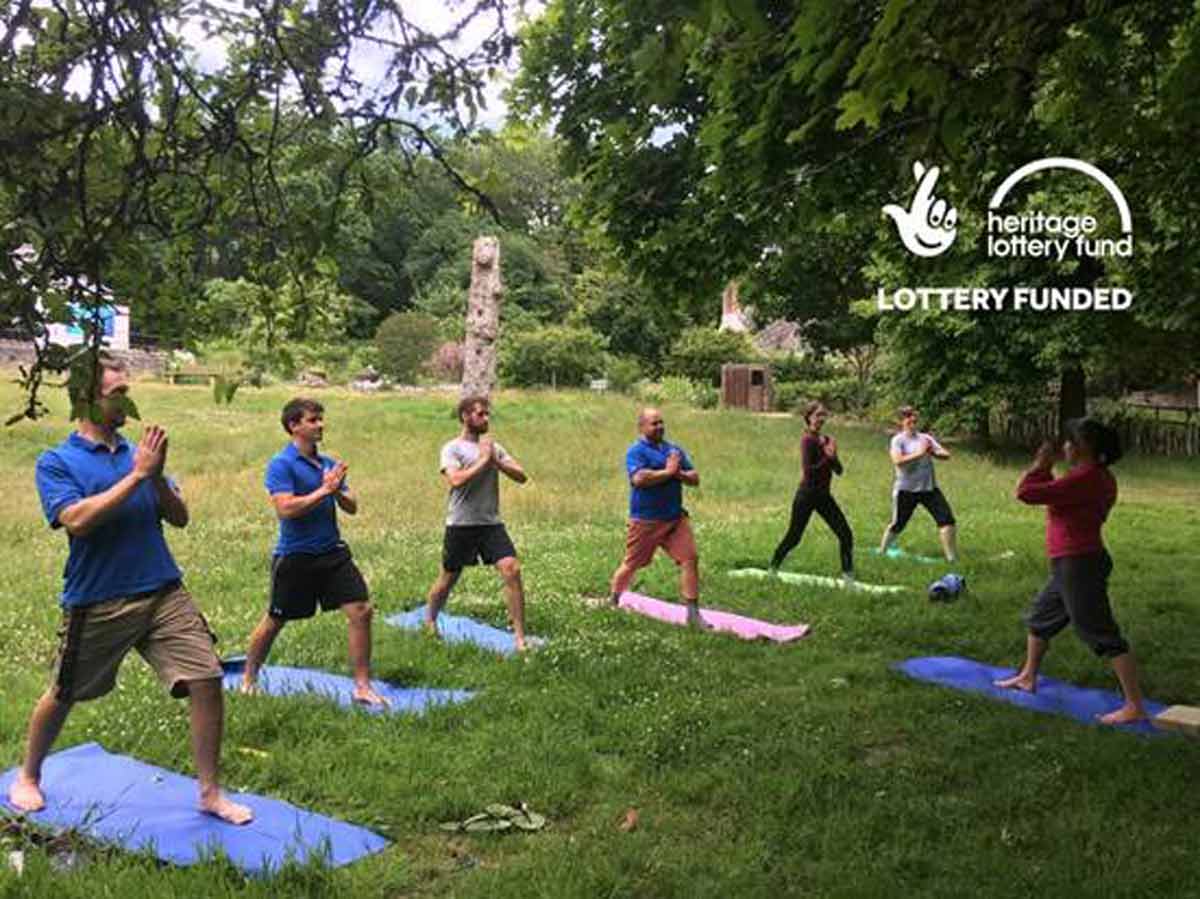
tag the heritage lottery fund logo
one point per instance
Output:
(929, 224)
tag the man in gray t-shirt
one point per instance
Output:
(476, 501)
(912, 453)
(471, 466)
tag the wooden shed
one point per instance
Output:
(746, 386)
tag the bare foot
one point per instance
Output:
(25, 795)
(226, 809)
(1126, 714)
(430, 629)
(250, 688)
(367, 696)
(695, 620)
(1019, 681)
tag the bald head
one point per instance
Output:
(650, 424)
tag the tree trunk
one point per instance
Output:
(483, 319)
(1072, 395)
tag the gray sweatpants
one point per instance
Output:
(1077, 594)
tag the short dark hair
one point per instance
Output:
(811, 408)
(467, 403)
(905, 411)
(1103, 441)
(296, 409)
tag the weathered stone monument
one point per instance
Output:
(483, 319)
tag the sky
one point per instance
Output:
(370, 61)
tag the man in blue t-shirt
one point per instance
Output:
(311, 564)
(122, 589)
(657, 471)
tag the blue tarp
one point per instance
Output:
(1053, 697)
(121, 801)
(279, 680)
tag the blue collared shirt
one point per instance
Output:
(662, 502)
(316, 531)
(127, 552)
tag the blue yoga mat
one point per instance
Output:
(457, 629)
(1053, 696)
(279, 680)
(120, 801)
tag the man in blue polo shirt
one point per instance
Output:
(311, 564)
(657, 471)
(122, 590)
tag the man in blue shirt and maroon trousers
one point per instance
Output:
(657, 471)
(122, 589)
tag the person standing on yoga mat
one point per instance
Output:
(1077, 505)
(657, 471)
(819, 461)
(311, 564)
(471, 466)
(913, 453)
(121, 587)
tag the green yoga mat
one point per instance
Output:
(897, 553)
(820, 580)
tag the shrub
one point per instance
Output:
(805, 367)
(789, 395)
(674, 389)
(446, 363)
(700, 352)
(623, 373)
(839, 394)
(555, 354)
(405, 340)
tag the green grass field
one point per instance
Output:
(809, 769)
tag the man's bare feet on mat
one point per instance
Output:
(25, 795)
(226, 809)
(1019, 681)
(367, 696)
(1126, 714)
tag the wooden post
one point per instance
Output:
(483, 319)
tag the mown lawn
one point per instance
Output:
(810, 769)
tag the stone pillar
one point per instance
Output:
(483, 319)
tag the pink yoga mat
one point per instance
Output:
(746, 628)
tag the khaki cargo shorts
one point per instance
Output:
(164, 626)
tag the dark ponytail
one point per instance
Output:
(1102, 440)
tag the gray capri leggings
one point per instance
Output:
(1077, 594)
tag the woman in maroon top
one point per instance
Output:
(1077, 593)
(818, 454)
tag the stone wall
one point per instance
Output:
(141, 361)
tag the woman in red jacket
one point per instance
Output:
(1077, 593)
(819, 461)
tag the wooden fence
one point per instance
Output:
(1142, 436)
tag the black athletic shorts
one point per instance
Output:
(904, 502)
(470, 544)
(301, 580)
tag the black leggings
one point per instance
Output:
(822, 502)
